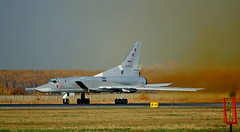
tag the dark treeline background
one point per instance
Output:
(13, 82)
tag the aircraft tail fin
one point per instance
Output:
(129, 67)
(132, 59)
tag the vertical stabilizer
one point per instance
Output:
(129, 67)
(131, 62)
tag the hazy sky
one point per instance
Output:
(98, 34)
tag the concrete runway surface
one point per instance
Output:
(50, 106)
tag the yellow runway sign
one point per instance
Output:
(154, 105)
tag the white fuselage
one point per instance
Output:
(91, 84)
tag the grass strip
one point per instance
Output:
(121, 130)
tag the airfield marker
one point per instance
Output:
(154, 105)
(229, 111)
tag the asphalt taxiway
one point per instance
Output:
(50, 106)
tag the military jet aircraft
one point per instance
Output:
(124, 78)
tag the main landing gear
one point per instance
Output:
(83, 100)
(121, 100)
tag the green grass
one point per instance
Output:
(114, 119)
(194, 130)
(122, 130)
(72, 130)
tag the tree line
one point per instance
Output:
(14, 82)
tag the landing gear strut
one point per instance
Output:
(83, 100)
(65, 99)
(121, 100)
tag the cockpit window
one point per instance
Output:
(53, 80)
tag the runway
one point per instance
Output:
(59, 106)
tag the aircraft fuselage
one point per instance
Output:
(91, 84)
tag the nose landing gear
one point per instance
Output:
(65, 101)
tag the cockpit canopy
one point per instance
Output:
(53, 81)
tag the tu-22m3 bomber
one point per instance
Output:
(124, 78)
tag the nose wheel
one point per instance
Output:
(83, 100)
(65, 101)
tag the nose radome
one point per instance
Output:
(44, 88)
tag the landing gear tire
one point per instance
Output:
(87, 101)
(121, 101)
(83, 101)
(124, 101)
(78, 101)
(65, 101)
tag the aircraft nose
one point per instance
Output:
(44, 88)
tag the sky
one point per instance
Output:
(98, 34)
